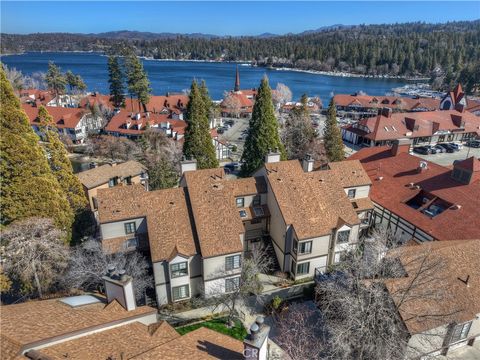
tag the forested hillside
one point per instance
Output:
(399, 49)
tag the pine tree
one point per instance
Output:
(263, 134)
(332, 136)
(115, 79)
(198, 140)
(28, 186)
(60, 164)
(55, 80)
(137, 81)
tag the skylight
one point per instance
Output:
(258, 211)
(81, 300)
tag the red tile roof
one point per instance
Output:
(400, 125)
(62, 117)
(391, 176)
(393, 102)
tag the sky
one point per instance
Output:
(220, 17)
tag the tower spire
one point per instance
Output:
(237, 81)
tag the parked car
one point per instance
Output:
(440, 149)
(456, 146)
(422, 150)
(233, 166)
(431, 149)
(474, 143)
(447, 147)
(220, 130)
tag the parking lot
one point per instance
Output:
(234, 136)
(447, 159)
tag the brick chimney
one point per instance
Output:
(401, 146)
(119, 286)
(255, 344)
(307, 163)
(272, 156)
(188, 165)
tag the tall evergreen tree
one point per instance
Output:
(28, 186)
(198, 140)
(263, 135)
(137, 81)
(116, 81)
(332, 136)
(60, 164)
(55, 80)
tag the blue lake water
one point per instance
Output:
(174, 76)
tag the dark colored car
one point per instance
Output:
(474, 143)
(421, 150)
(431, 149)
(447, 147)
(440, 149)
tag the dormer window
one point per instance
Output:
(178, 270)
(240, 202)
(343, 236)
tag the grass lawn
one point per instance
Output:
(237, 332)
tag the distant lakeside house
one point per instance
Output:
(197, 234)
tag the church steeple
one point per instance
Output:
(237, 81)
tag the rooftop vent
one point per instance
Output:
(81, 300)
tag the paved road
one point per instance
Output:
(233, 134)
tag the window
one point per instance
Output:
(180, 292)
(258, 211)
(352, 193)
(180, 269)
(232, 284)
(240, 202)
(128, 180)
(340, 256)
(232, 262)
(243, 213)
(130, 243)
(130, 228)
(305, 247)
(460, 332)
(256, 200)
(342, 237)
(303, 268)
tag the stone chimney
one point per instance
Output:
(307, 163)
(188, 165)
(401, 146)
(272, 157)
(119, 286)
(255, 344)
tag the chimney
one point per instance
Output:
(188, 165)
(255, 344)
(422, 167)
(119, 286)
(307, 163)
(401, 146)
(272, 156)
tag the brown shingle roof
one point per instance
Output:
(36, 321)
(200, 344)
(313, 203)
(393, 102)
(122, 342)
(217, 220)
(101, 175)
(120, 202)
(460, 303)
(349, 173)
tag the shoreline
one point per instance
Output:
(251, 64)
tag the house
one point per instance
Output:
(73, 122)
(440, 322)
(112, 327)
(36, 96)
(422, 127)
(198, 233)
(419, 199)
(109, 175)
(313, 107)
(366, 105)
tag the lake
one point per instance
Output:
(175, 76)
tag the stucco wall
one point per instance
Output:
(117, 229)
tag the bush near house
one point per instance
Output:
(220, 324)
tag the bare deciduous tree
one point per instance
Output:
(254, 263)
(231, 104)
(89, 263)
(361, 316)
(282, 94)
(34, 254)
(300, 332)
(113, 148)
